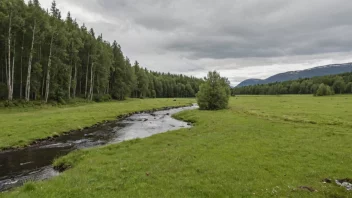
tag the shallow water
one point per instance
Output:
(34, 162)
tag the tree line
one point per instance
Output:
(323, 85)
(48, 57)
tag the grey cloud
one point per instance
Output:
(158, 23)
(238, 29)
(256, 31)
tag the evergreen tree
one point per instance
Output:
(48, 58)
(340, 84)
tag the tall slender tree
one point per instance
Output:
(49, 58)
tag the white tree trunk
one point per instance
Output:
(47, 87)
(13, 67)
(28, 83)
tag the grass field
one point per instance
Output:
(20, 126)
(262, 146)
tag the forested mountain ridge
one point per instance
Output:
(308, 73)
(48, 57)
(337, 84)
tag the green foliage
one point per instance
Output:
(8, 103)
(81, 62)
(142, 79)
(339, 84)
(36, 83)
(28, 187)
(102, 98)
(295, 87)
(189, 90)
(214, 94)
(120, 81)
(324, 90)
(349, 88)
(58, 94)
(61, 101)
(153, 94)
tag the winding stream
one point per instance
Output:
(34, 162)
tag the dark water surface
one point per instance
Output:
(34, 162)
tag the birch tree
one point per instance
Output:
(45, 57)
(34, 15)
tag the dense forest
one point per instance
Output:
(46, 56)
(324, 85)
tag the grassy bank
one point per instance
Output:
(333, 110)
(260, 147)
(20, 126)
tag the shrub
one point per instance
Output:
(8, 103)
(53, 103)
(215, 93)
(61, 101)
(77, 101)
(106, 97)
(16, 103)
(58, 95)
(36, 103)
(102, 98)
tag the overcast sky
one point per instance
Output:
(240, 38)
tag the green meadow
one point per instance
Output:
(261, 146)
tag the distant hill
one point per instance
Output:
(308, 73)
